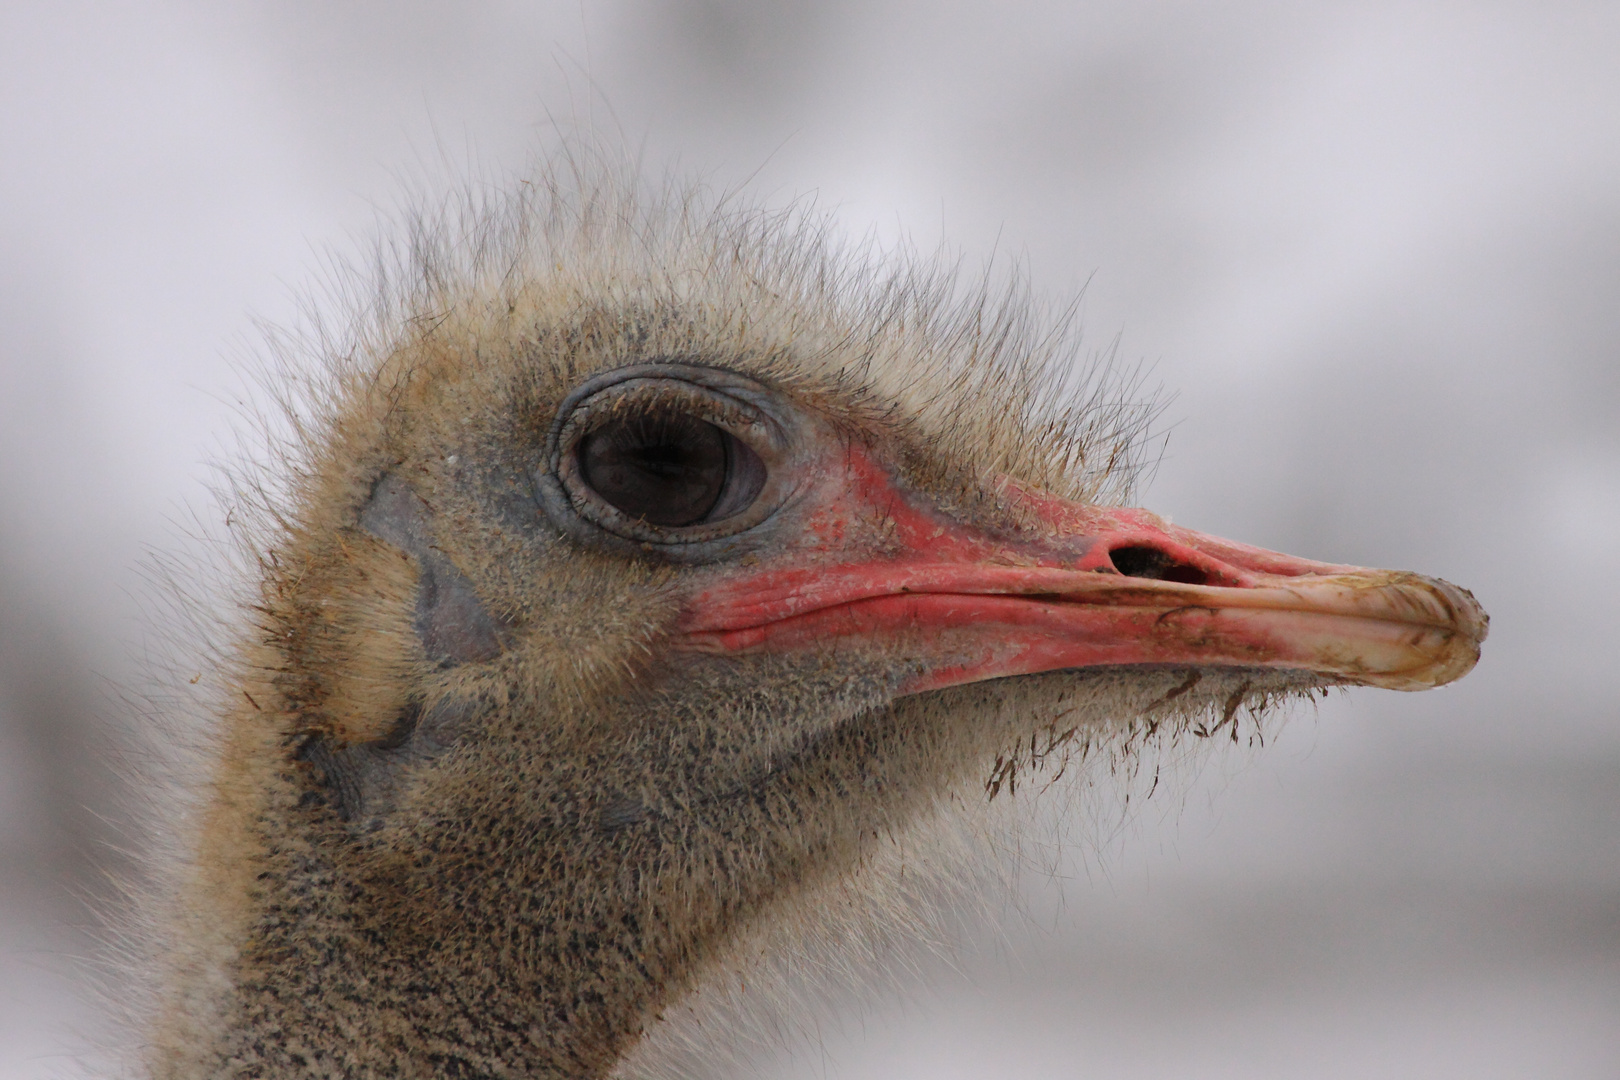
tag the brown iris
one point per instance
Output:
(668, 468)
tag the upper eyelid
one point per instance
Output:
(741, 419)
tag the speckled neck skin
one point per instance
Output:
(531, 926)
(537, 924)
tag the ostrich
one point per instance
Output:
(643, 569)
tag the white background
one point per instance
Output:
(1375, 249)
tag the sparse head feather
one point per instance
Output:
(587, 265)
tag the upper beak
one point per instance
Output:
(1094, 587)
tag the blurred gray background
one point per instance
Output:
(1374, 248)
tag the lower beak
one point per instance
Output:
(1130, 590)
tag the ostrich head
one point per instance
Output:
(645, 564)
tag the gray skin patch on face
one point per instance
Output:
(362, 782)
(451, 622)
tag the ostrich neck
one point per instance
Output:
(536, 922)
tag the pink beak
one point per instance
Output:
(1084, 587)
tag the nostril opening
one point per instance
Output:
(1146, 562)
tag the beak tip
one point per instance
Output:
(1454, 655)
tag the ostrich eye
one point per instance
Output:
(671, 457)
(670, 469)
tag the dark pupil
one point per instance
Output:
(665, 469)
